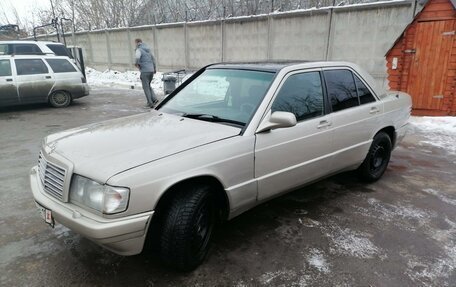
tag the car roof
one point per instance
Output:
(46, 56)
(276, 66)
(29, 42)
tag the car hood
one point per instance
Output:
(102, 150)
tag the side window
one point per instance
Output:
(302, 95)
(365, 96)
(5, 68)
(341, 89)
(24, 49)
(30, 67)
(59, 50)
(60, 65)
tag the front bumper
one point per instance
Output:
(124, 236)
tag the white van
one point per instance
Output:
(21, 47)
(30, 79)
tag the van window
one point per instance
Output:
(20, 49)
(30, 67)
(60, 65)
(59, 50)
(3, 49)
(5, 68)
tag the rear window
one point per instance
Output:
(59, 50)
(5, 68)
(61, 66)
(30, 67)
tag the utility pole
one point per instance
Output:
(55, 21)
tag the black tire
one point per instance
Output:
(187, 224)
(377, 159)
(60, 99)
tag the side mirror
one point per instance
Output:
(277, 120)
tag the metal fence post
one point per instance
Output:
(130, 42)
(90, 47)
(108, 47)
(270, 37)
(187, 60)
(329, 38)
(222, 36)
(156, 55)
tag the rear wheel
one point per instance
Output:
(186, 228)
(377, 159)
(60, 99)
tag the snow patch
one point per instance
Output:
(269, 277)
(317, 260)
(127, 80)
(352, 243)
(390, 212)
(439, 131)
(440, 196)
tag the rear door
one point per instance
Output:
(355, 118)
(34, 80)
(8, 88)
(66, 76)
(289, 157)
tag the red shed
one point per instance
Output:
(422, 61)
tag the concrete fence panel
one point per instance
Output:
(99, 46)
(171, 46)
(204, 44)
(300, 36)
(246, 40)
(121, 48)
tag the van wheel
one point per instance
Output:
(186, 229)
(60, 99)
(377, 159)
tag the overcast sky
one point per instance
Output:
(23, 8)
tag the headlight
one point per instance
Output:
(104, 198)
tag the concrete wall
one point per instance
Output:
(361, 34)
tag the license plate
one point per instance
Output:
(46, 214)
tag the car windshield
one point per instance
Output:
(221, 95)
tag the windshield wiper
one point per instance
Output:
(211, 118)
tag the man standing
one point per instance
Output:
(145, 62)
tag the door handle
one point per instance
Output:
(9, 80)
(48, 77)
(374, 110)
(324, 124)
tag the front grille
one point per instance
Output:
(52, 177)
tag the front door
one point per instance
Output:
(8, 89)
(430, 64)
(289, 157)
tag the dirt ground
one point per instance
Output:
(400, 231)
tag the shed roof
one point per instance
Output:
(423, 3)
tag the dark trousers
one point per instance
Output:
(146, 79)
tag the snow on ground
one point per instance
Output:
(439, 131)
(125, 80)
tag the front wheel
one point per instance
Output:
(60, 99)
(187, 226)
(377, 159)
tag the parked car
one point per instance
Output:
(33, 48)
(29, 79)
(226, 140)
